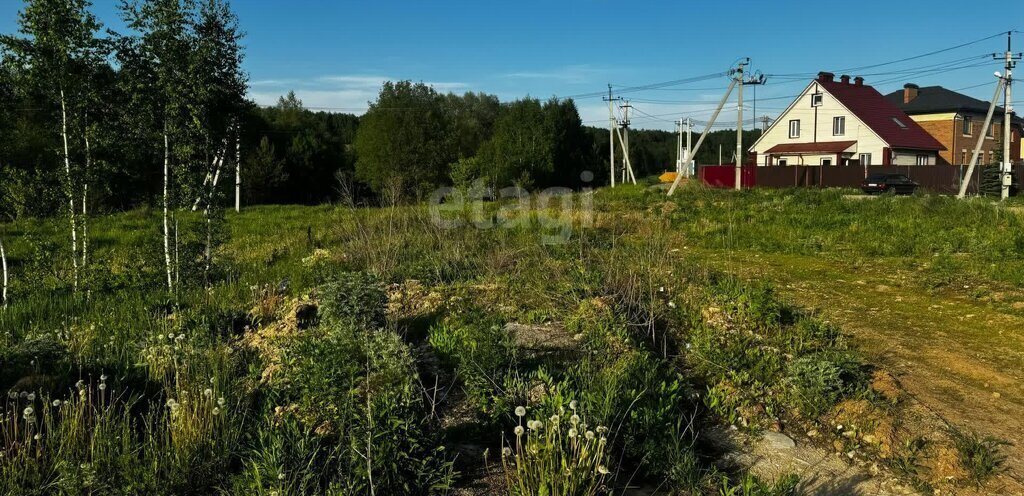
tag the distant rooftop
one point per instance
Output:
(936, 99)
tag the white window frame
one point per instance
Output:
(968, 126)
(839, 126)
(817, 99)
(797, 128)
(922, 159)
(783, 162)
(865, 159)
(823, 160)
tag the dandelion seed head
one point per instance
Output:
(572, 405)
(102, 386)
(601, 469)
(601, 429)
(220, 401)
(572, 433)
(56, 403)
(518, 430)
(520, 411)
(589, 435)
(506, 451)
(24, 394)
(575, 419)
(37, 437)
(216, 411)
(103, 377)
(31, 396)
(208, 393)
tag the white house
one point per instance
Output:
(835, 123)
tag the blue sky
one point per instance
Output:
(335, 54)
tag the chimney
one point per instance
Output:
(845, 78)
(858, 81)
(909, 92)
(826, 77)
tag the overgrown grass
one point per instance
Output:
(319, 358)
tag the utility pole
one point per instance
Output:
(765, 120)
(700, 141)
(679, 147)
(238, 170)
(611, 135)
(1006, 168)
(689, 149)
(965, 182)
(627, 166)
(754, 81)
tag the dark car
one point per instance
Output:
(888, 183)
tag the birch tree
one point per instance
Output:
(156, 65)
(3, 262)
(59, 47)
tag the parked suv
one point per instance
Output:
(888, 183)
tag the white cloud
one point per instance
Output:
(575, 74)
(341, 93)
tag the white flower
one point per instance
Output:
(170, 336)
(575, 419)
(518, 430)
(601, 469)
(208, 393)
(103, 377)
(216, 411)
(220, 401)
(31, 396)
(103, 386)
(601, 429)
(56, 403)
(572, 433)
(506, 451)
(671, 304)
(280, 476)
(520, 411)
(589, 435)
(572, 405)
(12, 395)
(37, 437)
(554, 419)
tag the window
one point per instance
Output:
(838, 126)
(865, 159)
(826, 161)
(794, 129)
(922, 159)
(899, 123)
(816, 100)
(782, 162)
(963, 157)
(968, 125)
(991, 130)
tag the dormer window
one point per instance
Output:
(816, 99)
(899, 123)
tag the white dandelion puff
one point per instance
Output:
(520, 411)
(518, 430)
(572, 433)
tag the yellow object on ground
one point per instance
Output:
(667, 177)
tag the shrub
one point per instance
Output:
(358, 387)
(482, 353)
(354, 298)
(818, 380)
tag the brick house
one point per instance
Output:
(956, 121)
(843, 123)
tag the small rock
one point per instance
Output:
(850, 454)
(779, 441)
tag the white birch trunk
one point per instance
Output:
(67, 177)
(238, 171)
(167, 227)
(3, 261)
(85, 200)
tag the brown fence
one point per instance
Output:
(937, 178)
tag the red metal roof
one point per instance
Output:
(881, 115)
(819, 147)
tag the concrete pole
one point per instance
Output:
(981, 139)
(1007, 168)
(739, 130)
(689, 149)
(611, 137)
(700, 141)
(679, 147)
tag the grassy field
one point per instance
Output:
(357, 351)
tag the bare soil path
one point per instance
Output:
(958, 353)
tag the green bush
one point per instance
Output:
(819, 380)
(358, 387)
(354, 298)
(482, 353)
